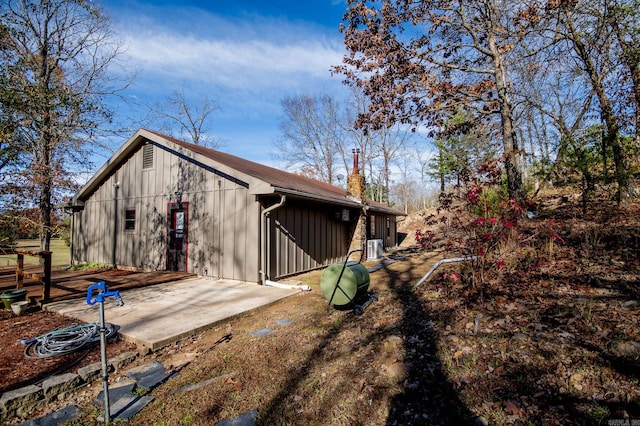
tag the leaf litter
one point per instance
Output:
(556, 343)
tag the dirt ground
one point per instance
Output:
(554, 343)
(17, 371)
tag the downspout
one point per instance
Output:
(71, 235)
(114, 246)
(442, 262)
(266, 239)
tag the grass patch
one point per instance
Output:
(60, 254)
(91, 266)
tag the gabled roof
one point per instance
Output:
(263, 179)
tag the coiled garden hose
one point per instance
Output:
(66, 340)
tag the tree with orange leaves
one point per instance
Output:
(419, 61)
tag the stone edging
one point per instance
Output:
(25, 401)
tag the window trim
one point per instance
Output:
(128, 220)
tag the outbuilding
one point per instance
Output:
(164, 204)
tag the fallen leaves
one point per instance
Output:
(461, 380)
(459, 354)
(512, 408)
(235, 384)
(547, 334)
(576, 380)
(559, 349)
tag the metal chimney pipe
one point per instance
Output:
(356, 162)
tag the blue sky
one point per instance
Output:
(245, 55)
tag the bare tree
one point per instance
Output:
(624, 19)
(379, 147)
(318, 136)
(423, 159)
(391, 142)
(405, 189)
(55, 55)
(177, 117)
(311, 136)
(361, 138)
(585, 28)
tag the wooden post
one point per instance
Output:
(20, 271)
(46, 279)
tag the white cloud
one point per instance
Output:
(234, 64)
(244, 61)
(280, 58)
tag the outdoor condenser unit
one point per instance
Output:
(374, 249)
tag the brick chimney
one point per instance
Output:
(355, 191)
(355, 181)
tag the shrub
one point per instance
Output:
(483, 224)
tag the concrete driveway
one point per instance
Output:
(158, 315)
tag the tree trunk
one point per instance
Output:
(512, 155)
(630, 55)
(441, 165)
(544, 141)
(635, 76)
(612, 137)
(386, 179)
(44, 202)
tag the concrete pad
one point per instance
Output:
(158, 315)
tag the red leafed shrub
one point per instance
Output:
(482, 222)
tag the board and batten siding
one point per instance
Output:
(384, 228)
(222, 218)
(306, 236)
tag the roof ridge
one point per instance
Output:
(203, 150)
(275, 177)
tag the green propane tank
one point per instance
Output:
(353, 284)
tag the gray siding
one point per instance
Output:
(305, 236)
(224, 220)
(222, 216)
(384, 229)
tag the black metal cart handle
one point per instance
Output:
(344, 266)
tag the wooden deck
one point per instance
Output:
(73, 284)
(43, 277)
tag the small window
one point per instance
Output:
(129, 219)
(147, 156)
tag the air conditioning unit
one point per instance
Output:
(374, 249)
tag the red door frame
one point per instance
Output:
(171, 208)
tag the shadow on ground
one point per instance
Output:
(420, 393)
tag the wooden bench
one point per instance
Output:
(43, 277)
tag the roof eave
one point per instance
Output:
(316, 197)
(341, 202)
(390, 211)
